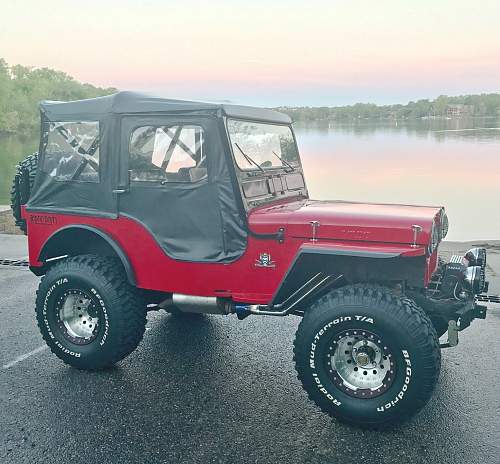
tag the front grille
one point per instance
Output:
(456, 259)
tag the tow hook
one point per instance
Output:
(467, 314)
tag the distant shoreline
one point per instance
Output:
(443, 108)
(23, 87)
(402, 122)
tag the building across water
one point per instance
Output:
(459, 110)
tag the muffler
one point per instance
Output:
(197, 304)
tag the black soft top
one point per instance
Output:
(133, 102)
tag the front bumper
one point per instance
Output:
(461, 320)
(459, 294)
(472, 310)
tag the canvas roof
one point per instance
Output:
(133, 103)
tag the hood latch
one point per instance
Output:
(314, 226)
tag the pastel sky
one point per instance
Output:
(264, 52)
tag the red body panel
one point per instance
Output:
(340, 220)
(344, 226)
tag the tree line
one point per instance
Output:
(487, 104)
(22, 88)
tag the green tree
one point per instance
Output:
(22, 88)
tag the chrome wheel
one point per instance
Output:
(78, 318)
(360, 364)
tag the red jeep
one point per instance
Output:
(137, 203)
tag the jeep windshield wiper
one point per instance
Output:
(284, 161)
(247, 157)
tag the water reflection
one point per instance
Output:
(433, 162)
(454, 162)
(419, 127)
(13, 149)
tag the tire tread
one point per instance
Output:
(402, 308)
(31, 164)
(108, 270)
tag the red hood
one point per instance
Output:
(341, 220)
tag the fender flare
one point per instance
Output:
(129, 270)
(343, 252)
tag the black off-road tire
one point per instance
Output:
(440, 325)
(118, 307)
(401, 327)
(438, 321)
(18, 190)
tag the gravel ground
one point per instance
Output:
(215, 389)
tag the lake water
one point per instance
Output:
(451, 163)
(12, 150)
(455, 163)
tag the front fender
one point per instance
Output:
(357, 262)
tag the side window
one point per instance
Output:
(167, 154)
(72, 151)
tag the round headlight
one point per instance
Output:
(434, 238)
(444, 224)
(476, 257)
(474, 279)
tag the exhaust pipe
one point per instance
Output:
(214, 305)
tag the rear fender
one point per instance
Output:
(82, 239)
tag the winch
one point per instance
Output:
(463, 276)
(457, 293)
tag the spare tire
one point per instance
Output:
(22, 186)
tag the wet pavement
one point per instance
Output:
(215, 389)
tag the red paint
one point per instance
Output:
(345, 226)
(341, 220)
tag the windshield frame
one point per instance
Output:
(263, 170)
(243, 178)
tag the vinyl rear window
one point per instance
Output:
(72, 151)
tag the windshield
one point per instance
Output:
(262, 146)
